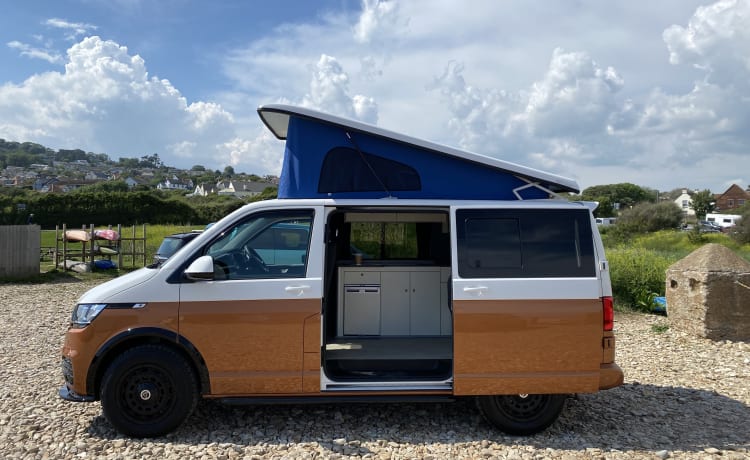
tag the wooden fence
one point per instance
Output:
(19, 250)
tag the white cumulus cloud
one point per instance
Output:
(329, 91)
(34, 52)
(105, 101)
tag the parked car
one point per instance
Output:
(172, 243)
(709, 227)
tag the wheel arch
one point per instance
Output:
(141, 336)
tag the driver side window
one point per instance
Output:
(266, 245)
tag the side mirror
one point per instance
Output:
(202, 269)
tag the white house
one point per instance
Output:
(685, 202)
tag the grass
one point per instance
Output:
(638, 268)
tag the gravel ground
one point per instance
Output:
(684, 397)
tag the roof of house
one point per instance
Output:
(329, 156)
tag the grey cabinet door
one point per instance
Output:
(394, 303)
(424, 297)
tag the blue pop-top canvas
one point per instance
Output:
(370, 163)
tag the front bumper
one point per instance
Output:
(66, 392)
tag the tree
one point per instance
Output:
(703, 203)
(106, 186)
(229, 171)
(647, 217)
(151, 161)
(625, 195)
(198, 168)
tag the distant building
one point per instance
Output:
(240, 189)
(685, 202)
(175, 184)
(734, 197)
(132, 182)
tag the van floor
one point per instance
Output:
(389, 358)
(394, 348)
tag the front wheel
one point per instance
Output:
(148, 391)
(521, 414)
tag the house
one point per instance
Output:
(96, 175)
(734, 197)
(685, 202)
(132, 182)
(175, 184)
(60, 185)
(204, 190)
(241, 189)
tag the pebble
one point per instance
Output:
(681, 394)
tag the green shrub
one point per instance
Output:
(638, 275)
(645, 218)
(741, 232)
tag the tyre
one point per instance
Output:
(148, 391)
(521, 414)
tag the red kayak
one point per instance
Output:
(107, 234)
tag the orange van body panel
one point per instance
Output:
(311, 359)
(527, 346)
(250, 346)
(81, 345)
(610, 376)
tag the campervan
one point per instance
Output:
(723, 220)
(389, 269)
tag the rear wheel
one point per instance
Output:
(521, 414)
(148, 391)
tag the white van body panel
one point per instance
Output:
(137, 286)
(524, 289)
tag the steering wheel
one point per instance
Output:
(252, 261)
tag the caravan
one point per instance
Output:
(389, 269)
(725, 221)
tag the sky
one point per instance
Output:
(656, 94)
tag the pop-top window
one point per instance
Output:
(347, 170)
(524, 243)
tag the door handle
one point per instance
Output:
(299, 290)
(476, 290)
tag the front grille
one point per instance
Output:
(67, 370)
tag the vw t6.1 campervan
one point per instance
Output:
(388, 269)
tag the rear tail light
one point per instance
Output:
(608, 308)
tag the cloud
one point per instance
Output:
(546, 124)
(105, 101)
(716, 40)
(379, 18)
(73, 29)
(35, 53)
(329, 92)
(589, 91)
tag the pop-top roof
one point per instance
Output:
(328, 156)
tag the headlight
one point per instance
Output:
(84, 313)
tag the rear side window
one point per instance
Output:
(525, 243)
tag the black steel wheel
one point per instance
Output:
(148, 391)
(521, 414)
